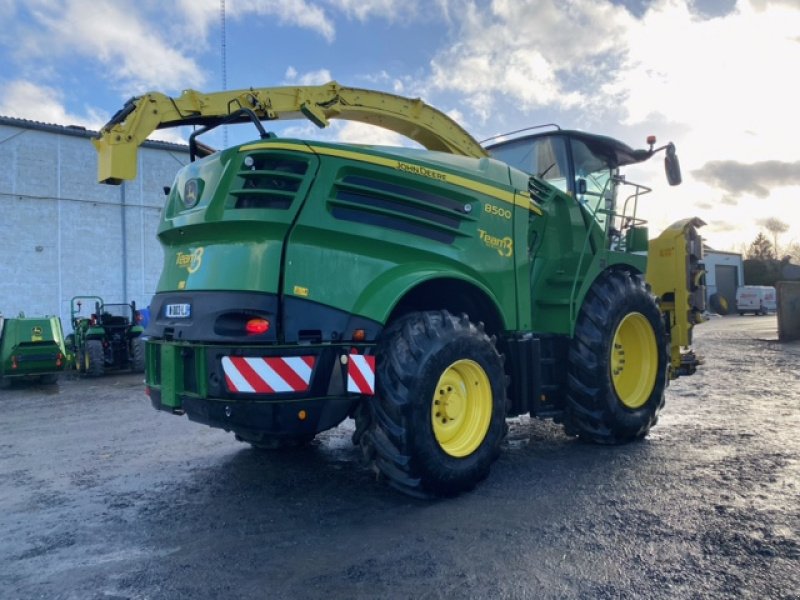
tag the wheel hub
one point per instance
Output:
(462, 408)
(634, 360)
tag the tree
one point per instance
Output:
(761, 248)
(793, 252)
(775, 227)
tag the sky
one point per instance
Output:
(719, 78)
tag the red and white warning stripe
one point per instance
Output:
(267, 375)
(361, 374)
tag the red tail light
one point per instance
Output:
(256, 326)
(14, 362)
(59, 359)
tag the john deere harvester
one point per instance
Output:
(428, 293)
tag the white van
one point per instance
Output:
(756, 298)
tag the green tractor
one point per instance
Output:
(31, 349)
(109, 337)
(429, 294)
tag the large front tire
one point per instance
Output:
(617, 362)
(438, 418)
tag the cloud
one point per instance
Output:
(27, 100)
(351, 132)
(758, 178)
(297, 13)
(362, 133)
(127, 48)
(722, 226)
(132, 44)
(201, 15)
(698, 71)
(7, 9)
(558, 59)
(292, 77)
(364, 10)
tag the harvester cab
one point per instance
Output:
(587, 167)
(108, 337)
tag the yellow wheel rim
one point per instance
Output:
(461, 408)
(86, 360)
(634, 360)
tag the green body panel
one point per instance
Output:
(522, 259)
(247, 241)
(370, 266)
(165, 371)
(31, 346)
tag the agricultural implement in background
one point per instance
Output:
(428, 294)
(32, 349)
(108, 338)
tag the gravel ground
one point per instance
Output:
(103, 497)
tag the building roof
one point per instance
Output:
(80, 131)
(709, 250)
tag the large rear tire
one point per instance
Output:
(617, 362)
(438, 418)
(93, 360)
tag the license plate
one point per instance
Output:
(178, 311)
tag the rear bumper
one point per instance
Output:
(290, 419)
(191, 379)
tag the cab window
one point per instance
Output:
(544, 156)
(592, 180)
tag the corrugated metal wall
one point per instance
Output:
(62, 234)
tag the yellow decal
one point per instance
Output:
(504, 213)
(36, 334)
(182, 285)
(300, 291)
(418, 170)
(191, 261)
(504, 246)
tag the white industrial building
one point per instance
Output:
(724, 273)
(65, 235)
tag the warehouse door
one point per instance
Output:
(727, 281)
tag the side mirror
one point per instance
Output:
(672, 166)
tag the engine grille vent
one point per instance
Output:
(539, 192)
(371, 201)
(268, 181)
